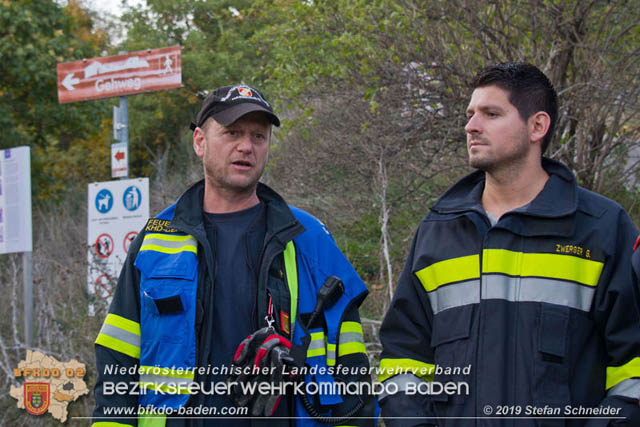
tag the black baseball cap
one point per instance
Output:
(228, 103)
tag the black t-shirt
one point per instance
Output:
(235, 282)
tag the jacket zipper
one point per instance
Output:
(477, 355)
(266, 262)
(480, 314)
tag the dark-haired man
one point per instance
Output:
(230, 261)
(517, 305)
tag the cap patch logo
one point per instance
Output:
(241, 93)
(245, 91)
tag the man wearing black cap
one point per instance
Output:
(231, 273)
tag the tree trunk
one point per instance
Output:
(385, 257)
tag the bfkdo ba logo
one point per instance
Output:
(36, 398)
(245, 91)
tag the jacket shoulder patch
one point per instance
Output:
(155, 225)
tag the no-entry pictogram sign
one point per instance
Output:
(128, 239)
(103, 245)
(120, 75)
(103, 286)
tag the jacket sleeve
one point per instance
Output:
(349, 352)
(350, 349)
(118, 351)
(352, 355)
(617, 314)
(407, 358)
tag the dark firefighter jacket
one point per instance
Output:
(541, 309)
(148, 328)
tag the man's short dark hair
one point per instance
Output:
(529, 90)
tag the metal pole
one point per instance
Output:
(124, 130)
(27, 264)
(124, 123)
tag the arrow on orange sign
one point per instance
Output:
(69, 81)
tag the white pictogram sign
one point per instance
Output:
(117, 210)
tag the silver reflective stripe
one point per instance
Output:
(347, 337)
(401, 380)
(455, 295)
(120, 334)
(316, 344)
(629, 388)
(331, 355)
(169, 243)
(536, 289)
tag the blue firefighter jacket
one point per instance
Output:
(534, 321)
(158, 319)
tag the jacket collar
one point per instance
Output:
(558, 198)
(188, 211)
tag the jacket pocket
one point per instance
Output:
(163, 311)
(167, 303)
(452, 352)
(551, 364)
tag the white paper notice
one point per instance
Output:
(15, 200)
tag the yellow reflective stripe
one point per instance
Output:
(109, 424)
(291, 270)
(449, 271)
(165, 250)
(115, 338)
(557, 266)
(316, 352)
(391, 367)
(167, 372)
(617, 374)
(317, 345)
(152, 420)
(315, 336)
(174, 389)
(122, 323)
(351, 327)
(119, 346)
(169, 237)
(351, 348)
(351, 339)
(175, 243)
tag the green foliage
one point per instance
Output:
(307, 45)
(372, 94)
(60, 171)
(215, 52)
(34, 37)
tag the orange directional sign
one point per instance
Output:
(119, 75)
